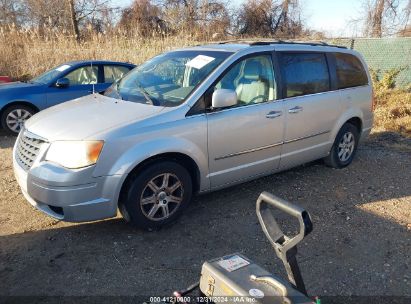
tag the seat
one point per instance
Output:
(87, 76)
(251, 87)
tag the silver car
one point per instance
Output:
(191, 121)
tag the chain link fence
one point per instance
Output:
(383, 54)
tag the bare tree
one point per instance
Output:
(385, 17)
(12, 12)
(49, 13)
(88, 12)
(144, 18)
(270, 18)
(198, 16)
(195, 17)
(214, 18)
(406, 30)
(71, 15)
(74, 20)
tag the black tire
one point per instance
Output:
(5, 118)
(341, 157)
(138, 188)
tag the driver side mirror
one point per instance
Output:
(223, 98)
(62, 83)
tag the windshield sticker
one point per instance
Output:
(199, 61)
(232, 263)
(63, 68)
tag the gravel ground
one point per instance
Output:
(361, 243)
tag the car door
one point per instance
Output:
(81, 82)
(245, 140)
(311, 107)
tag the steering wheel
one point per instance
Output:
(255, 98)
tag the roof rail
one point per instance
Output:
(269, 42)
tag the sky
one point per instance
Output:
(334, 17)
(330, 16)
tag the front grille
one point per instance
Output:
(27, 149)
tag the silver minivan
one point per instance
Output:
(191, 121)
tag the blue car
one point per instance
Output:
(20, 100)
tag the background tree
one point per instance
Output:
(200, 18)
(68, 15)
(270, 18)
(12, 12)
(93, 13)
(406, 30)
(386, 17)
(144, 18)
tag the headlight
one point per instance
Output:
(75, 154)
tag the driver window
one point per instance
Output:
(252, 79)
(83, 75)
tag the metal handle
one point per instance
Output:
(295, 110)
(270, 225)
(284, 246)
(271, 281)
(273, 114)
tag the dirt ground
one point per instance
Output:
(361, 243)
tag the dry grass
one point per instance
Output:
(393, 112)
(25, 54)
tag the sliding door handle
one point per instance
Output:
(274, 114)
(295, 110)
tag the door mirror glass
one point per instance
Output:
(223, 98)
(62, 83)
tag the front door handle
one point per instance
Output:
(295, 110)
(273, 114)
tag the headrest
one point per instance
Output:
(252, 70)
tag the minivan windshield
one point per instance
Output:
(166, 80)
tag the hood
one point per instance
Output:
(86, 116)
(17, 85)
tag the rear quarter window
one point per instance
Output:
(350, 71)
(304, 73)
(113, 73)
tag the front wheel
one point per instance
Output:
(157, 195)
(344, 148)
(13, 118)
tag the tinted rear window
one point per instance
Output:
(350, 71)
(304, 73)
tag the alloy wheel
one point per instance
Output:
(161, 196)
(16, 118)
(346, 146)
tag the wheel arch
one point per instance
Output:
(18, 102)
(357, 122)
(353, 116)
(178, 157)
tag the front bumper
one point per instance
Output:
(69, 195)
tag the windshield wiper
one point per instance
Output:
(144, 92)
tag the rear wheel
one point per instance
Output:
(157, 195)
(344, 148)
(13, 118)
